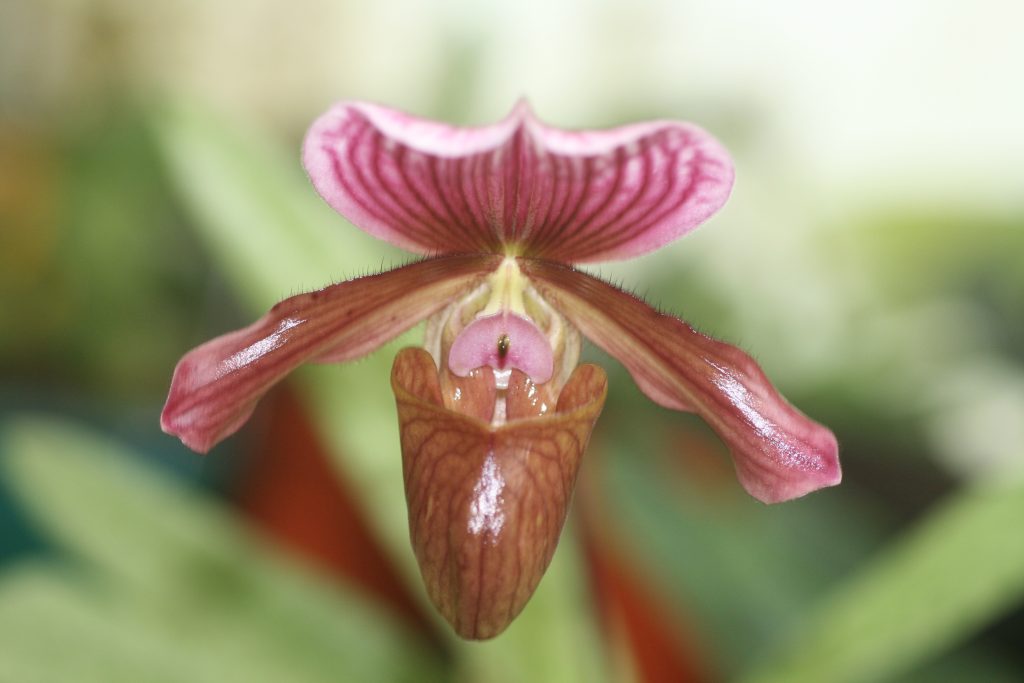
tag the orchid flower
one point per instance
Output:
(495, 412)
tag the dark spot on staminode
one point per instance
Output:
(503, 344)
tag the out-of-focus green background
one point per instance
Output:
(871, 257)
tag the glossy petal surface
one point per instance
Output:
(487, 505)
(779, 452)
(572, 196)
(216, 385)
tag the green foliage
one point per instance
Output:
(784, 594)
(90, 247)
(957, 571)
(155, 583)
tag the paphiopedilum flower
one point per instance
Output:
(495, 413)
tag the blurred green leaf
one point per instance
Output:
(90, 245)
(58, 626)
(960, 569)
(741, 571)
(744, 574)
(164, 582)
(272, 235)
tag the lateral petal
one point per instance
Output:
(216, 385)
(779, 452)
(487, 504)
(518, 185)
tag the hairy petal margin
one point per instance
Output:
(779, 452)
(216, 385)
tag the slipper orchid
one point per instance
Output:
(495, 413)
